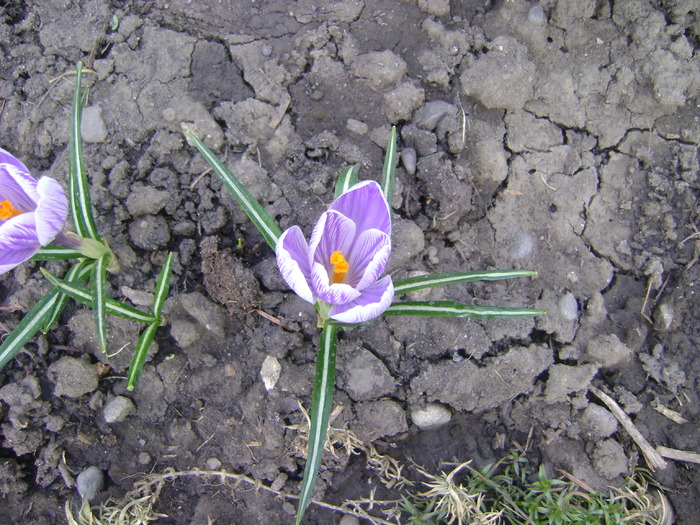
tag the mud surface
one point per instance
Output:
(560, 137)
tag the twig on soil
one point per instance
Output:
(276, 321)
(653, 458)
(678, 455)
(671, 414)
(200, 177)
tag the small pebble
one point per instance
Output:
(92, 127)
(536, 15)
(408, 159)
(144, 458)
(118, 409)
(568, 307)
(349, 519)
(357, 127)
(523, 246)
(90, 481)
(213, 464)
(433, 415)
(266, 50)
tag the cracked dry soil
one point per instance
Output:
(557, 136)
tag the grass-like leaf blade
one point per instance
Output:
(346, 180)
(389, 168)
(75, 274)
(138, 359)
(99, 299)
(112, 306)
(54, 252)
(455, 309)
(163, 285)
(80, 202)
(261, 219)
(441, 279)
(28, 327)
(324, 385)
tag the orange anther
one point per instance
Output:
(7, 210)
(340, 267)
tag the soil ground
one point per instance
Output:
(558, 136)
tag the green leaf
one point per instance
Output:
(163, 285)
(138, 359)
(27, 328)
(54, 252)
(75, 274)
(80, 202)
(112, 306)
(389, 167)
(346, 180)
(261, 219)
(324, 384)
(99, 299)
(441, 279)
(455, 309)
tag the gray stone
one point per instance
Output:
(92, 127)
(365, 377)
(597, 423)
(607, 351)
(435, 7)
(431, 416)
(381, 69)
(564, 380)
(408, 159)
(146, 200)
(195, 321)
(90, 481)
(150, 232)
(609, 459)
(357, 127)
(401, 102)
(503, 78)
(73, 377)
(432, 113)
(377, 419)
(466, 386)
(118, 409)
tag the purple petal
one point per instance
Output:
(19, 233)
(368, 258)
(18, 241)
(293, 261)
(333, 232)
(16, 184)
(10, 259)
(51, 211)
(337, 293)
(375, 299)
(366, 206)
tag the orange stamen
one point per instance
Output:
(340, 267)
(7, 210)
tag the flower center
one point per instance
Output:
(7, 210)
(340, 267)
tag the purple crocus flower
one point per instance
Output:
(348, 252)
(32, 213)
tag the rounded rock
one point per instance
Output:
(118, 409)
(568, 307)
(408, 159)
(432, 416)
(90, 481)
